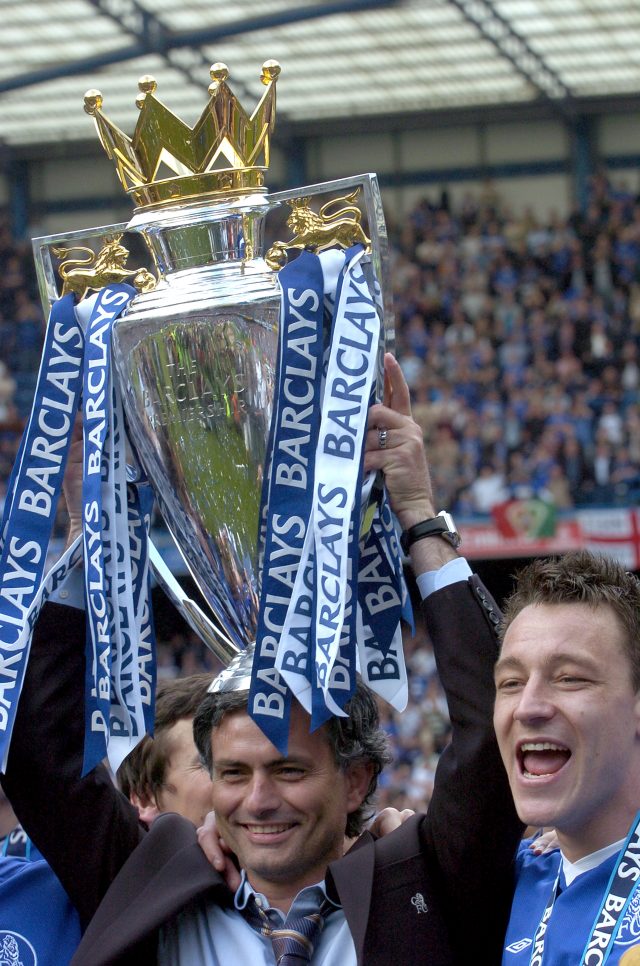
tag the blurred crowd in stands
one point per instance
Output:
(520, 341)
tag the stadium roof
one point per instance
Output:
(340, 58)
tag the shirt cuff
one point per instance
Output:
(71, 591)
(451, 573)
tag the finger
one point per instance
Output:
(386, 396)
(387, 820)
(400, 397)
(547, 843)
(388, 823)
(372, 440)
(231, 876)
(384, 418)
(211, 844)
(224, 848)
(373, 461)
(209, 824)
(399, 432)
(213, 853)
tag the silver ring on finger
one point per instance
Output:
(382, 438)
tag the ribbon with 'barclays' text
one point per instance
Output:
(330, 602)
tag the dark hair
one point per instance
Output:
(143, 772)
(357, 738)
(588, 578)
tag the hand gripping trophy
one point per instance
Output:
(233, 389)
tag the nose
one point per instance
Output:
(534, 702)
(262, 795)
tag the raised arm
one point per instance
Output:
(471, 830)
(83, 826)
(404, 464)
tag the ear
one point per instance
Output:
(147, 808)
(636, 711)
(357, 778)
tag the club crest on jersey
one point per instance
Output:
(629, 931)
(419, 903)
(15, 950)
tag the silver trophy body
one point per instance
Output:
(196, 361)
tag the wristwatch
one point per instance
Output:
(440, 526)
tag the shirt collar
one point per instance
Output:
(245, 890)
(573, 869)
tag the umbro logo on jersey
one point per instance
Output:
(518, 946)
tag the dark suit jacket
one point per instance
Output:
(126, 882)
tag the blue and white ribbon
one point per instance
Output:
(120, 675)
(383, 600)
(287, 487)
(31, 505)
(350, 375)
(140, 504)
(120, 641)
(312, 633)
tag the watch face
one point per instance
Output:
(450, 534)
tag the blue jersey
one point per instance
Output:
(574, 913)
(38, 924)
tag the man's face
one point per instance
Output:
(283, 817)
(568, 723)
(187, 787)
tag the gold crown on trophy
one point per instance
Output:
(166, 160)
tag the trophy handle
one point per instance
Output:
(215, 639)
(46, 246)
(376, 228)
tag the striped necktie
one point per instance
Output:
(293, 942)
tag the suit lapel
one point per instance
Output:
(162, 874)
(352, 876)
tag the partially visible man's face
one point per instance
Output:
(284, 818)
(568, 723)
(187, 787)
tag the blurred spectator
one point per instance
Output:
(8, 411)
(488, 489)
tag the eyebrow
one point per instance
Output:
(241, 763)
(563, 657)
(506, 662)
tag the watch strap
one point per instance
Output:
(437, 526)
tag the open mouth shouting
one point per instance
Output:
(541, 759)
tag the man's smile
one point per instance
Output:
(542, 758)
(267, 829)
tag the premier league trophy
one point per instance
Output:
(239, 390)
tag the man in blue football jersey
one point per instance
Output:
(38, 924)
(567, 718)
